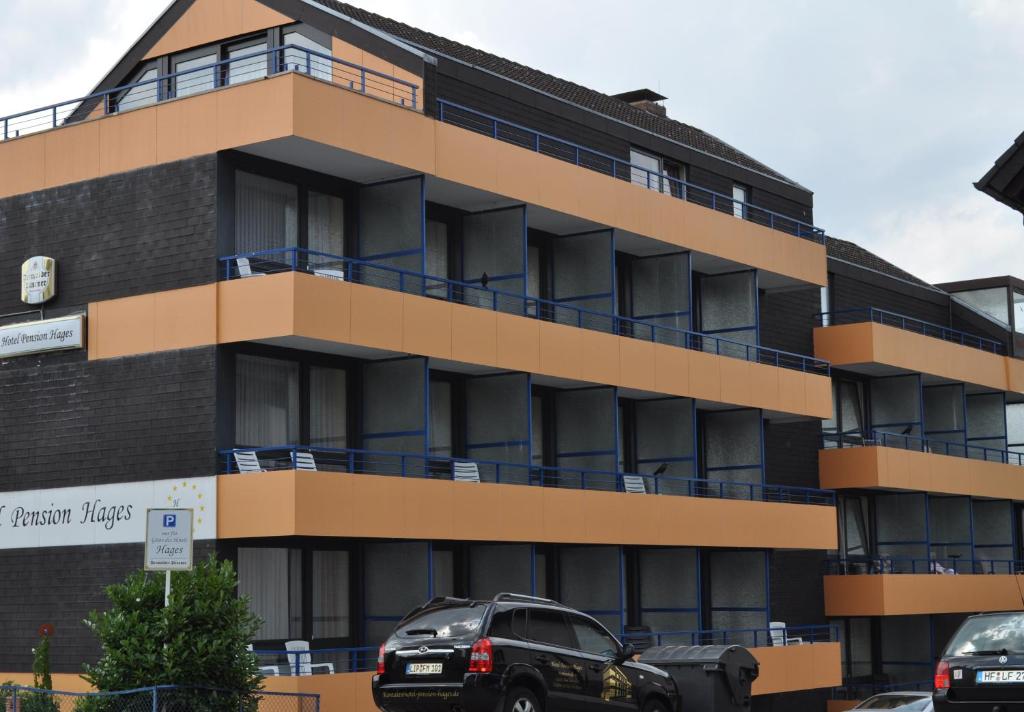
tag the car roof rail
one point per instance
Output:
(437, 601)
(526, 599)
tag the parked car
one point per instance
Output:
(982, 668)
(514, 653)
(909, 701)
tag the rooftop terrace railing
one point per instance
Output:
(907, 323)
(570, 152)
(419, 465)
(948, 565)
(750, 637)
(248, 67)
(881, 438)
(378, 275)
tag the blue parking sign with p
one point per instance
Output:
(170, 520)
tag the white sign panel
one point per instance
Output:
(33, 337)
(168, 540)
(38, 279)
(102, 514)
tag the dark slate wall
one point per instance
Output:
(65, 584)
(787, 319)
(870, 290)
(791, 452)
(67, 421)
(131, 233)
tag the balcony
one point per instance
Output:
(977, 586)
(528, 504)
(328, 121)
(892, 461)
(318, 313)
(880, 343)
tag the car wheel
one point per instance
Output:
(655, 706)
(519, 699)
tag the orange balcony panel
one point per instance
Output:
(290, 503)
(797, 667)
(895, 469)
(913, 594)
(852, 345)
(310, 312)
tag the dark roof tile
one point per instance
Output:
(855, 254)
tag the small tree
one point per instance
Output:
(198, 640)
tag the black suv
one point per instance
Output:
(982, 669)
(512, 654)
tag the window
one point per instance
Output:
(824, 307)
(739, 200)
(330, 594)
(550, 627)
(440, 418)
(266, 215)
(326, 224)
(652, 173)
(310, 63)
(266, 402)
(272, 579)
(594, 639)
(327, 405)
(142, 95)
(503, 625)
(1018, 312)
(437, 251)
(195, 79)
(244, 70)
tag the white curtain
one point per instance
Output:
(327, 403)
(326, 224)
(271, 578)
(330, 594)
(266, 402)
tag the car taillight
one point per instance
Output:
(942, 675)
(380, 660)
(480, 659)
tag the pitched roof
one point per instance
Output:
(1003, 181)
(560, 88)
(856, 255)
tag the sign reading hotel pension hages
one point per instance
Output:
(101, 514)
(33, 337)
(38, 279)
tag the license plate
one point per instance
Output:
(985, 676)
(423, 669)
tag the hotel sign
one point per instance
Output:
(33, 337)
(38, 279)
(102, 514)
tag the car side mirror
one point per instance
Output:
(625, 654)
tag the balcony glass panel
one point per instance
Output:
(986, 424)
(661, 291)
(585, 432)
(669, 589)
(733, 447)
(394, 393)
(896, 405)
(326, 223)
(994, 302)
(728, 308)
(739, 597)
(900, 523)
(498, 421)
(493, 244)
(664, 438)
(993, 532)
(583, 277)
(391, 231)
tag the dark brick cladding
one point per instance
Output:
(850, 293)
(60, 586)
(131, 233)
(787, 319)
(116, 420)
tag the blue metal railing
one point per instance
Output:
(378, 275)
(880, 564)
(908, 323)
(19, 698)
(324, 661)
(257, 65)
(930, 445)
(419, 465)
(863, 690)
(570, 152)
(750, 637)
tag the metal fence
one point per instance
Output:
(164, 698)
(327, 661)
(419, 465)
(570, 152)
(882, 438)
(949, 565)
(908, 323)
(748, 637)
(288, 259)
(248, 67)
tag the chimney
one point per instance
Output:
(644, 99)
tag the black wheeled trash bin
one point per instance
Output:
(710, 678)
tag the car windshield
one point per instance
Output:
(455, 622)
(989, 634)
(906, 703)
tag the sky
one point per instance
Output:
(888, 110)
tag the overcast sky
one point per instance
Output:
(888, 110)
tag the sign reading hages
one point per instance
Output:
(101, 514)
(33, 337)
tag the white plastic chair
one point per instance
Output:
(634, 484)
(303, 461)
(330, 273)
(245, 269)
(777, 630)
(266, 670)
(247, 461)
(465, 472)
(305, 665)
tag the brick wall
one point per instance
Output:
(67, 421)
(787, 319)
(851, 293)
(131, 233)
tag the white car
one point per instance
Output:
(908, 701)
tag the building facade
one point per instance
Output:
(398, 318)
